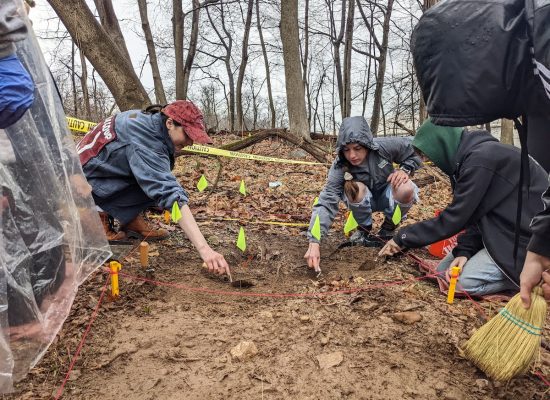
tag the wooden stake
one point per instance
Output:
(144, 254)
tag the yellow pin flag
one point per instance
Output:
(396, 217)
(455, 272)
(203, 183)
(114, 267)
(351, 223)
(167, 217)
(241, 240)
(242, 188)
(316, 230)
(315, 201)
(176, 212)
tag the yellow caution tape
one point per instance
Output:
(80, 125)
(200, 149)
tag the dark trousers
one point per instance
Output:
(126, 205)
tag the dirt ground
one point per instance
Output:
(175, 340)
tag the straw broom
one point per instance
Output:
(506, 346)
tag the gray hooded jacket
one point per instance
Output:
(373, 172)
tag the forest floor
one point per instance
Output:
(175, 337)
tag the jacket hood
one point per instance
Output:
(439, 143)
(355, 130)
(470, 140)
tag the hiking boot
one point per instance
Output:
(138, 228)
(387, 230)
(363, 237)
(109, 228)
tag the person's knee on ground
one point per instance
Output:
(479, 276)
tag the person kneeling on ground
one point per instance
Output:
(128, 159)
(484, 176)
(363, 176)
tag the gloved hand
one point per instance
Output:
(16, 90)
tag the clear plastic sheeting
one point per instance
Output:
(51, 237)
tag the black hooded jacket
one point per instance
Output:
(485, 192)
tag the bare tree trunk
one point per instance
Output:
(159, 88)
(84, 84)
(305, 61)
(100, 50)
(429, 3)
(488, 127)
(73, 80)
(242, 67)
(336, 41)
(192, 47)
(346, 109)
(296, 104)
(507, 131)
(109, 21)
(266, 63)
(177, 28)
(254, 105)
(94, 94)
(227, 44)
(422, 113)
(376, 108)
(367, 85)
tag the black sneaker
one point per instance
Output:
(387, 230)
(362, 238)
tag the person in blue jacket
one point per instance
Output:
(363, 176)
(128, 159)
(16, 85)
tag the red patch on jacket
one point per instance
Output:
(94, 141)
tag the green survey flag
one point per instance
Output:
(316, 230)
(315, 201)
(203, 183)
(241, 240)
(242, 189)
(176, 212)
(396, 218)
(351, 223)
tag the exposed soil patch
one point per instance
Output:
(190, 337)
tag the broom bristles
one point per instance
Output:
(506, 346)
